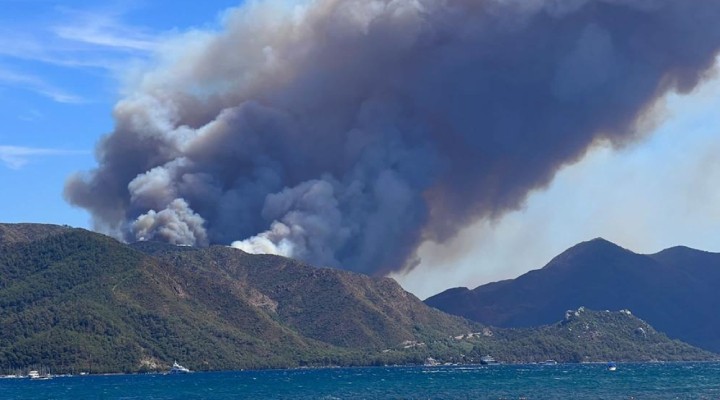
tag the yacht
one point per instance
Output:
(487, 360)
(36, 375)
(178, 369)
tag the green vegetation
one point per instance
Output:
(73, 300)
(589, 336)
(674, 290)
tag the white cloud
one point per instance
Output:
(16, 157)
(104, 31)
(38, 85)
(75, 39)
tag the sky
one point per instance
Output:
(648, 196)
(64, 65)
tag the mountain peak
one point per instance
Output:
(599, 242)
(680, 250)
(685, 257)
(590, 250)
(675, 290)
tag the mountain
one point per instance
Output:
(23, 233)
(586, 336)
(334, 306)
(74, 300)
(71, 299)
(675, 290)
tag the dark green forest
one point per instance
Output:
(76, 301)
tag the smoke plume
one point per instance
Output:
(346, 132)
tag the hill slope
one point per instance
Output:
(587, 336)
(73, 300)
(674, 290)
(334, 306)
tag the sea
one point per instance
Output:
(562, 381)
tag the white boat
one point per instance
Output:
(549, 362)
(612, 366)
(178, 369)
(431, 362)
(487, 360)
(36, 375)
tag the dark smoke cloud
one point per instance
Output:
(347, 132)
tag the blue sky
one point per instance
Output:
(62, 64)
(62, 67)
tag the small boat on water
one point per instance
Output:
(487, 360)
(612, 366)
(431, 362)
(178, 369)
(549, 362)
(38, 376)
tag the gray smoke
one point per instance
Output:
(346, 132)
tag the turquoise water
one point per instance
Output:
(568, 381)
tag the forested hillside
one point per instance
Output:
(73, 300)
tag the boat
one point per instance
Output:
(431, 362)
(549, 362)
(612, 366)
(178, 369)
(38, 376)
(487, 360)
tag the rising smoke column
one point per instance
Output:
(345, 133)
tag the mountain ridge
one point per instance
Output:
(672, 289)
(104, 306)
(74, 300)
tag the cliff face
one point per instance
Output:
(674, 290)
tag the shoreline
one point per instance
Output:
(439, 366)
